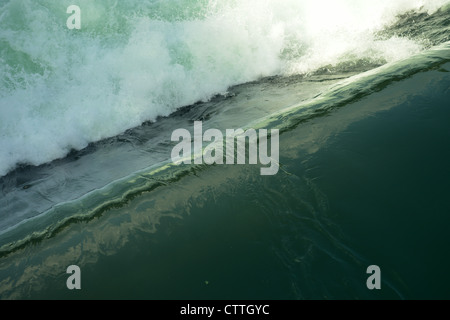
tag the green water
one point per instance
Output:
(359, 92)
(363, 185)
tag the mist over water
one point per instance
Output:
(133, 61)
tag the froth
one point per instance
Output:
(132, 62)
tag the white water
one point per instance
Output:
(132, 62)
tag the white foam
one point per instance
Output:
(138, 60)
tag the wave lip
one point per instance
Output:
(120, 192)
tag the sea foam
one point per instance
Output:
(134, 61)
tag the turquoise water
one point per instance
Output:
(363, 156)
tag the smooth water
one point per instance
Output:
(364, 185)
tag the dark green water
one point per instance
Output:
(364, 184)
